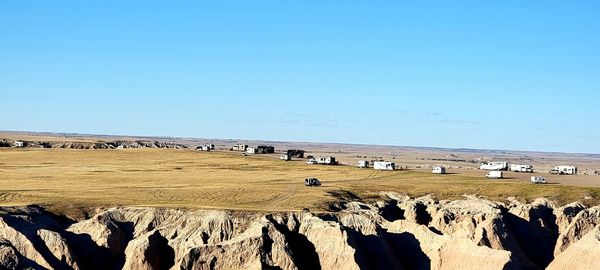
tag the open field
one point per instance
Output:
(68, 178)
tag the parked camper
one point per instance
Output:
(207, 147)
(439, 170)
(296, 153)
(19, 144)
(285, 157)
(240, 147)
(251, 150)
(562, 169)
(494, 175)
(521, 168)
(384, 165)
(326, 160)
(362, 164)
(538, 180)
(494, 166)
(265, 149)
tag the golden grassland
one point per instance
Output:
(65, 178)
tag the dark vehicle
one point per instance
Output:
(312, 182)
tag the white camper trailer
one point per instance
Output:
(494, 175)
(19, 144)
(325, 160)
(538, 180)
(240, 147)
(384, 165)
(362, 164)
(568, 170)
(285, 157)
(439, 170)
(494, 166)
(521, 168)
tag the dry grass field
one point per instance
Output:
(66, 179)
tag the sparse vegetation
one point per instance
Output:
(65, 179)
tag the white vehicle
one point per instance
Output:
(521, 168)
(285, 157)
(494, 175)
(495, 166)
(439, 170)
(362, 164)
(326, 160)
(569, 170)
(538, 180)
(384, 165)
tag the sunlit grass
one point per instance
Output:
(66, 178)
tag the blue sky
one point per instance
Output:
(521, 75)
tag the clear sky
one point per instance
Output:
(521, 75)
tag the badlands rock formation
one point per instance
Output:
(401, 233)
(94, 145)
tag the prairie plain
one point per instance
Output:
(69, 180)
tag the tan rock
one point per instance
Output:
(58, 247)
(420, 248)
(566, 214)
(585, 221)
(21, 244)
(331, 243)
(9, 258)
(260, 246)
(149, 251)
(582, 254)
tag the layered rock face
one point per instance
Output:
(401, 233)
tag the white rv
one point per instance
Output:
(325, 160)
(568, 170)
(384, 165)
(494, 175)
(521, 168)
(362, 164)
(538, 180)
(439, 170)
(494, 166)
(285, 157)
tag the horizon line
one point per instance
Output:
(280, 141)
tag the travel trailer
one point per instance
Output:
(285, 157)
(362, 164)
(295, 153)
(439, 170)
(384, 165)
(562, 169)
(494, 175)
(521, 168)
(326, 160)
(495, 166)
(240, 147)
